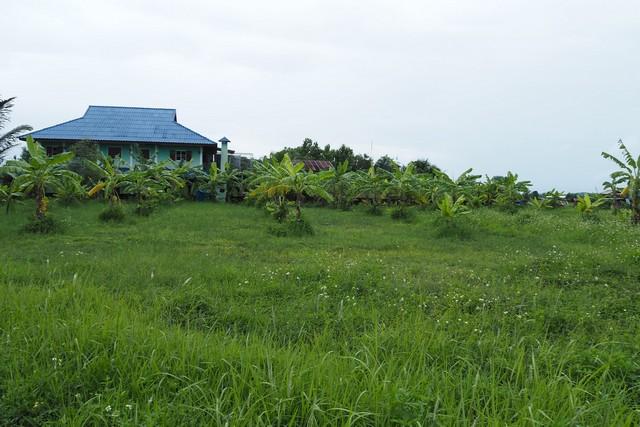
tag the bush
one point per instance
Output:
(145, 208)
(375, 210)
(458, 227)
(403, 213)
(42, 225)
(113, 213)
(293, 227)
(278, 211)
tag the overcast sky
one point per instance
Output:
(538, 87)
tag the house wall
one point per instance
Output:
(159, 152)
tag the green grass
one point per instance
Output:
(197, 315)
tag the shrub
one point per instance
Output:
(373, 209)
(403, 213)
(114, 212)
(293, 227)
(42, 225)
(278, 210)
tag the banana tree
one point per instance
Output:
(403, 184)
(613, 191)
(281, 179)
(450, 209)
(144, 188)
(629, 175)
(339, 182)
(585, 206)
(8, 196)
(372, 186)
(511, 191)
(107, 168)
(39, 173)
(465, 185)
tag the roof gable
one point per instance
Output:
(126, 124)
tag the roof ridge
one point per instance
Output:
(138, 108)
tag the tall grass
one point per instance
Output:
(196, 315)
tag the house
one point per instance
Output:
(117, 129)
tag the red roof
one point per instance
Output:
(317, 165)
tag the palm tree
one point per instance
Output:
(39, 173)
(628, 174)
(8, 139)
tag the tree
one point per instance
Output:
(8, 139)
(280, 179)
(450, 209)
(310, 150)
(585, 206)
(372, 185)
(9, 195)
(108, 172)
(424, 166)
(84, 151)
(40, 172)
(613, 192)
(629, 174)
(339, 181)
(386, 163)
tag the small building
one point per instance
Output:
(117, 129)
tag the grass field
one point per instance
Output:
(197, 316)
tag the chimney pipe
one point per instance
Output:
(224, 153)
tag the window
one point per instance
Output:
(145, 153)
(115, 151)
(53, 150)
(180, 155)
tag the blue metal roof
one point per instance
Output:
(126, 124)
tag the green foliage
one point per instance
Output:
(540, 203)
(310, 150)
(403, 213)
(44, 225)
(555, 198)
(386, 163)
(84, 151)
(69, 190)
(450, 209)
(112, 213)
(275, 180)
(372, 187)
(39, 173)
(585, 206)
(9, 196)
(629, 174)
(110, 176)
(8, 139)
(340, 183)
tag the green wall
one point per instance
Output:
(159, 152)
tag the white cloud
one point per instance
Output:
(536, 87)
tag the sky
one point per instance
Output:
(537, 87)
